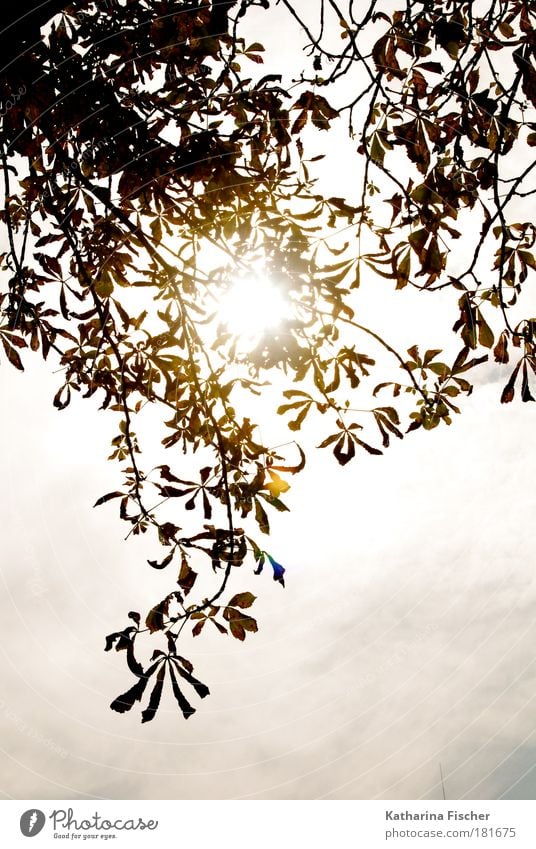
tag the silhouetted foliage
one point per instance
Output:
(148, 161)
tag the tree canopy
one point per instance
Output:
(151, 156)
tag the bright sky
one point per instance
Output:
(404, 639)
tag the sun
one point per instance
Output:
(252, 306)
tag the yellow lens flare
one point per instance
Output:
(252, 306)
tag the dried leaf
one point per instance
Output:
(242, 600)
(154, 699)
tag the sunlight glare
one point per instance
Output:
(252, 306)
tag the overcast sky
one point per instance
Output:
(403, 641)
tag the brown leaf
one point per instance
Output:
(155, 618)
(242, 600)
(509, 390)
(236, 630)
(108, 497)
(154, 700)
(501, 349)
(12, 355)
(187, 576)
(344, 450)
